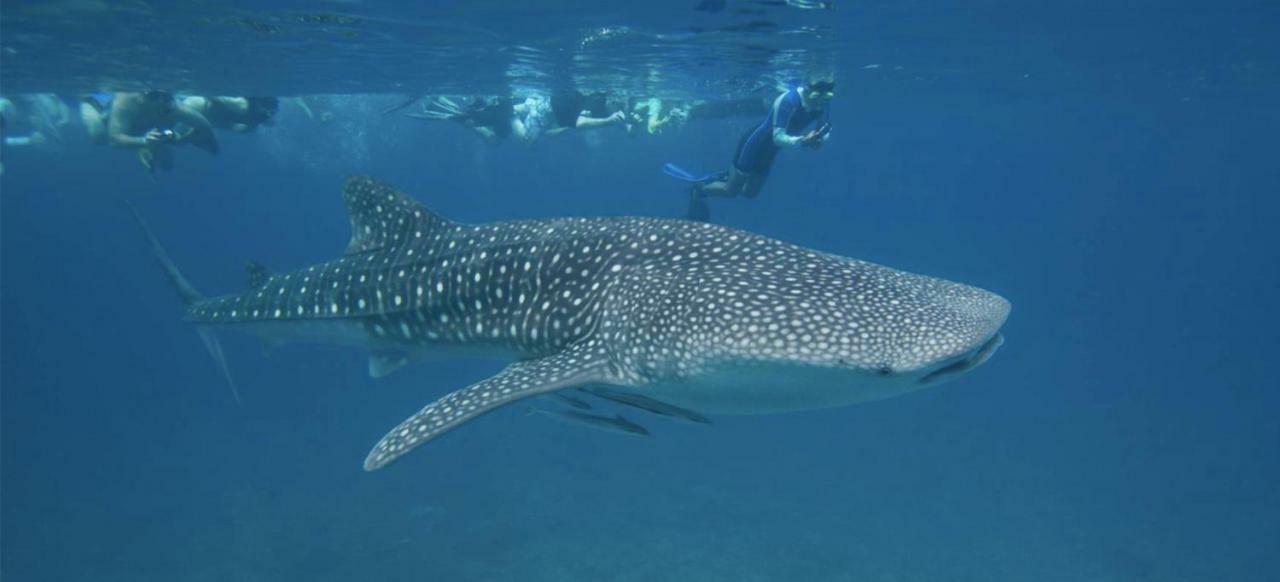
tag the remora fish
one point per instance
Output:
(698, 315)
(648, 404)
(616, 423)
(570, 400)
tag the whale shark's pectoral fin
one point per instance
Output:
(575, 366)
(385, 362)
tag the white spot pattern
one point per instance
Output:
(657, 300)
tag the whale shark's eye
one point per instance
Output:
(884, 370)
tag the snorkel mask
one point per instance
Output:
(821, 89)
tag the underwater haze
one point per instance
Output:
(1110, 168)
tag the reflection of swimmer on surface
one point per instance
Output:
(238, 114)
(15, 129)
(151, 122)
(792, 113)
(42, 114)
(497, 118)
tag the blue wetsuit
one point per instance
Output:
(757, 149)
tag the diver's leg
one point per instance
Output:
(753, 184)
(519, 130)
(726, 187)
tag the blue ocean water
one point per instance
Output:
(1110, 169)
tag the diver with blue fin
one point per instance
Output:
(793, 112)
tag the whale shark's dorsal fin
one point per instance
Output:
(258, 273)
(383, 217)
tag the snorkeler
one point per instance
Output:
(655, 114)
(792, 112)
(8, 138)
(16, 127)
(493, 118)
(151, 122)
(238, 114)
(565, 110)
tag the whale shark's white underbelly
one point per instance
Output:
(786, 387)
(778, 388)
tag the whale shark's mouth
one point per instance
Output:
(966, 363)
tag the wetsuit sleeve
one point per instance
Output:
(783, 110)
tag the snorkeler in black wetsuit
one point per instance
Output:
(573, 109)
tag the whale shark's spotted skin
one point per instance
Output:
(698, 314)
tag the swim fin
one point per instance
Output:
(680, 174)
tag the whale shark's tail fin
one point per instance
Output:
(185, 290)
(189, 296)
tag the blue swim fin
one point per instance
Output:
(680, 174)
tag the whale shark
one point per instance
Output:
(699, 316)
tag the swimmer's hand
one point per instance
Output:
(160, 136)
(618, 117)
(816, 137)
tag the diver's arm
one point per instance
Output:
(585, 122)
(194, 119)
(782, 111)
(783, 139)
(117, 125)
(202, 133)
